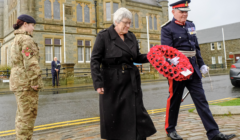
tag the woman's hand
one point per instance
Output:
(35, 87)
(100, 90)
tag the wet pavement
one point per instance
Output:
(189, 127)
(72, 104)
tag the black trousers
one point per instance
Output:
(195, 88)
(55, 79)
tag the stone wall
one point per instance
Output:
(232, 46)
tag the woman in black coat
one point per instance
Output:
(122, 113)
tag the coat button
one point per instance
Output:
(131, 59)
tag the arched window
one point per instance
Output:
(86, 14)
(79, 13)
(136, 21)
(47, 9)
(56, 8)
(155, 23)
(150, 22)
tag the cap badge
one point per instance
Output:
(186, 4)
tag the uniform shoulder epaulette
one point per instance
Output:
(189, 20)
(166, 23)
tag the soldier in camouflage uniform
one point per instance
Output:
(25, 79)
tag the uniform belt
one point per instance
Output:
(188, 53)
(124, 67)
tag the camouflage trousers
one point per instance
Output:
(27, 106)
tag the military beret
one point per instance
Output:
(181, 5)
(27, 18)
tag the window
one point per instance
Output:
(47, 9)
(150, 22)
(212, 46)
(57, 48)
(86, 14)
(88, 54)
(213, 60)
(110, 9)
(219, 45)
(136, 21)
(219, 59)
(155, 23)
(79, 13)
(84, 51)
(56, 8)
(52, 46)
(115, 7)
(88, 50)
(80, 51)
(83, 13)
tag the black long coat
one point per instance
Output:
(122, 113)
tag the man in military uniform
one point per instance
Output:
(180, 33)
(25, 79)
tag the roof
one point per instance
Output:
(231, 31)
(150, 2)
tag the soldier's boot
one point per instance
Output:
(174, 136)
(221, 136)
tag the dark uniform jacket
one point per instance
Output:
(179, 37)
(122, 112)
(54, 66)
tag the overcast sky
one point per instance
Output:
(211, 13)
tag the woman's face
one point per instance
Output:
(123, 26)
(29, 27)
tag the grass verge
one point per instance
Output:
(235, 102)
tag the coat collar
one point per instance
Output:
(19, 31)
(178, 23)
(126, 45)
(114, 34)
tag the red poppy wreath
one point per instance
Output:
(156, 58)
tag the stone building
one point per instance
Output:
(211, 45)
(81, 23)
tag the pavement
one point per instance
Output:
(189, 127)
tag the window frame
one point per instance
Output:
(111, 8)
(83, 4)
(81, 46)
(52, 45)
(84, 49)
(219, 45)
(212, 45)
(220, 62)
(213, 60)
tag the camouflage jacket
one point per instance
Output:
(25, 58)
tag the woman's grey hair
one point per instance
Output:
(120, 14)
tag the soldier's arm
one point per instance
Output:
(198, 54)
(31, 63)
(166, 38)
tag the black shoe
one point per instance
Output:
(174, 136)
(221, 136)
